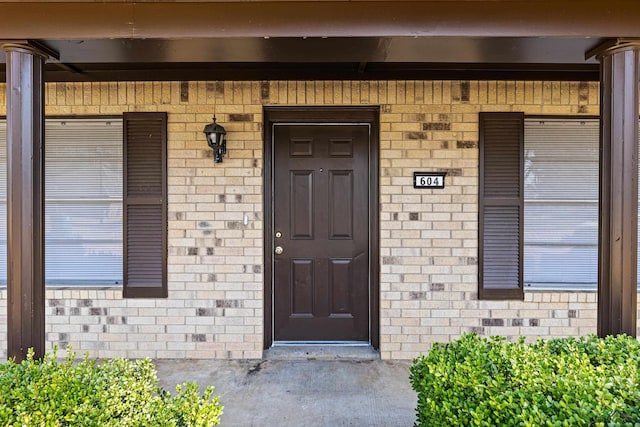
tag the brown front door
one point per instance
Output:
(321, 224)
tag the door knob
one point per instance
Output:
(279, 250)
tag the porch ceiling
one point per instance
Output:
(321, 58)
(361, 39)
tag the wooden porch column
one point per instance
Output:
(618, 219)
(25, 199)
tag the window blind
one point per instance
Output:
(83, 201)
(561, 203)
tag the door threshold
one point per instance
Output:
(322, 343)
(321, 350)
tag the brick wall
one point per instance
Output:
(428, 239)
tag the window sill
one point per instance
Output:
(83, 287)
(560, 287)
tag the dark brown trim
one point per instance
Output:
(369, 115)
(614, 45)
(149, 200)
(618, 207)
(33, 46)
(511, 126)
(317, 71)
(127, 19)
(25, 203)
(374, 217)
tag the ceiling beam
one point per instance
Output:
(316, 71)
(485, 18)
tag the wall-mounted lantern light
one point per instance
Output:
(217, 140)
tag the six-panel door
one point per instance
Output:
(321, 242)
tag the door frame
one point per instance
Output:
(333, 114)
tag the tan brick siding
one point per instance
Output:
(428, 238)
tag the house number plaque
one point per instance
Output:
(428, 179)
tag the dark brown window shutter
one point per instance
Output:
(145, 205)
(501, 206)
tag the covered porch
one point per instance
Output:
(313, 41)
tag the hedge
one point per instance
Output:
(114, 392)
(476, 381)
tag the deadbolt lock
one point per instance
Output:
(278, 234)
(279, 250)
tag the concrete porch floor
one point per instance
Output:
(305, 392)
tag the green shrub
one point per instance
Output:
(477, 381)
(115, 392)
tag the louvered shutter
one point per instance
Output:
(145, 205)
(501, 207)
